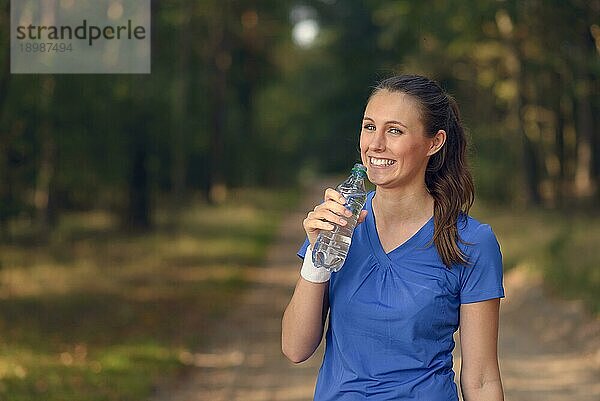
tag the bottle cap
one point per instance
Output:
(359, 169)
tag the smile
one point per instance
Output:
(381, 162)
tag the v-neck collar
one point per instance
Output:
(385, 258)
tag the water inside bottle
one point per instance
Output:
(332, 247)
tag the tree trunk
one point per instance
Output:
(559, 141)
(180, 111)
(138, 211)
(5, 21)
(6, 191)
(216, 177)
(47, 163)
(584, 185)
(506, 26)
(596, 144)
(221, 62)
(530, 167)
(249, 148)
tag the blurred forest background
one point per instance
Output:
(233, 94)
(246, 101)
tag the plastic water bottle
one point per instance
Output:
(331, 247)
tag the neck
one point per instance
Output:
(406, 205)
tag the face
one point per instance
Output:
(393, 144)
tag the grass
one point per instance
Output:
(98, 314)
(562, 248)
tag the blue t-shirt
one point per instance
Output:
(392, 315)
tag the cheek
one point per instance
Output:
(415, 149)
(363, 150)
(407, 152)
(412, 146)
(362, 143)
(417, 154)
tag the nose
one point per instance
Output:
(377, 141)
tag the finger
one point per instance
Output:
(335, 207)
(332, 194)
(328, 215)
(362, 216)
(314, 225)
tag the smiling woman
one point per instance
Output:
(417, 127)
(418, 268)
(395, 150)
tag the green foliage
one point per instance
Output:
(96, 313)
(571, 263)
(238, 103)
(559, 246)
(99, 314)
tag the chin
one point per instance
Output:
(386, 180)
(376, 174)
(377, 180)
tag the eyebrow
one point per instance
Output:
(387, 122)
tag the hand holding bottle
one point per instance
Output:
(330, 226)
(325, 215)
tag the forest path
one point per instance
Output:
(549, 348)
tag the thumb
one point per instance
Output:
(362, 216)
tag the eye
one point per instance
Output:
(395, 131)
(369, 127)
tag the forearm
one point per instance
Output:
(484, 390)
(480, 378)
(303, 320)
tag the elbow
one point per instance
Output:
(295, 358)
(294, 354)
(481, 386)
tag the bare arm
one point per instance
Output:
(480, 374)
(304, 318)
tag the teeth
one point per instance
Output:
(381, 162)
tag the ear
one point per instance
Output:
(437, 142)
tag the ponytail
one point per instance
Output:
(450, 183)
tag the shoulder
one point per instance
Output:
(473, 230)
(476, 237)
(481, 277)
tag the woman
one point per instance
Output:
(418, 267)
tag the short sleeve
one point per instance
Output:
(302, 250)
(481, 279)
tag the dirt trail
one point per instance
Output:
(550, 349)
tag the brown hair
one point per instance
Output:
(447, 177)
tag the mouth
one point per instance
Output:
(381, 162)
